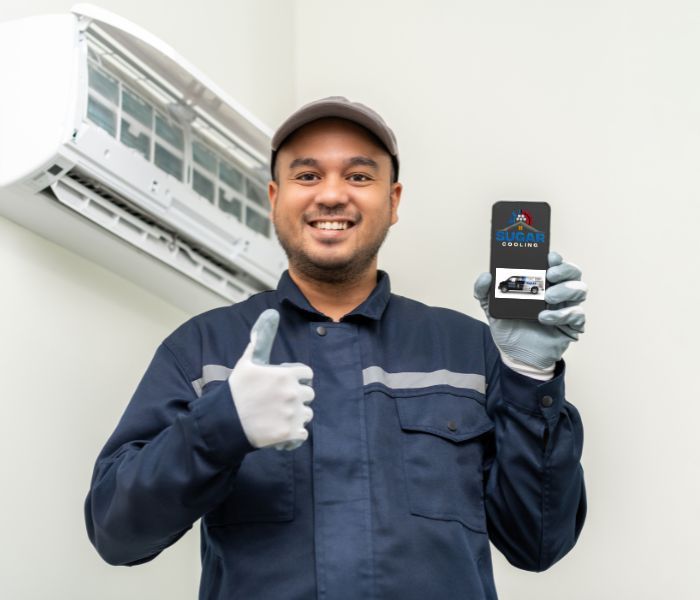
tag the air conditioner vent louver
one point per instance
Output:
(100, 205)
(94, 185)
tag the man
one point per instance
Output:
(426, 438)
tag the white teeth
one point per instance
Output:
(330, 224)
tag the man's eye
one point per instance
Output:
(360, 177)
(306, 176)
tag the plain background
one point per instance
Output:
(592, 106)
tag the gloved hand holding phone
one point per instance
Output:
(271, 400)
(539, 344)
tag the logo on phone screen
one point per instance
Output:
(520, 232)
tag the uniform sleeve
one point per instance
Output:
(172, 457)
(534, 486)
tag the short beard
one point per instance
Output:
(332, 272)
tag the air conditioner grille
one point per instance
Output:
(104, 207)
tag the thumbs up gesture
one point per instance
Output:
(271, 400)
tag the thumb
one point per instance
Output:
(481, 286)
(262, 335)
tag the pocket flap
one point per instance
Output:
(457, 417)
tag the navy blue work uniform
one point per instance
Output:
(422, 447)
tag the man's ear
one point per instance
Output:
(272, 191)
(395, 198)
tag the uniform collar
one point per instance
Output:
(372, 308)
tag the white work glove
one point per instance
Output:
(533, 347)
(271, 400)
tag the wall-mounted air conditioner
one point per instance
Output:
(117, 148)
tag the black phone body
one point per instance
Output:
(519, 248)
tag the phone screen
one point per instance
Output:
(519, 248)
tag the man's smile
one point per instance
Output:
(331, 224)
(327, 222)
(331, 228)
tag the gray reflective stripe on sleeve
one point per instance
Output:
(210, 373)
(412, 379)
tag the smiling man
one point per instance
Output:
(431, 433)
(333, 200)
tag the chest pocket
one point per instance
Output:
(443, 440)
(263, 490)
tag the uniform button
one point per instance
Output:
(321, 330)
(451, 425)
(547, 401)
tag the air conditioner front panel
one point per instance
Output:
(40, 64)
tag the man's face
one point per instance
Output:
(334, 202)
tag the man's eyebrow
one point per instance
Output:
(362, 161)
(303, 162)
(350, 162)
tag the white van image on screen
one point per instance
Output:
(522, 283)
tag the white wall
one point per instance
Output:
(76, 338)
(592, 106)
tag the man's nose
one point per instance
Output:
(332, 191)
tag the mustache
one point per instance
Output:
(332, 214)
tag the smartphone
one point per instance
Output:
(519, 248)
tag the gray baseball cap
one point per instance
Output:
(342, 108)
